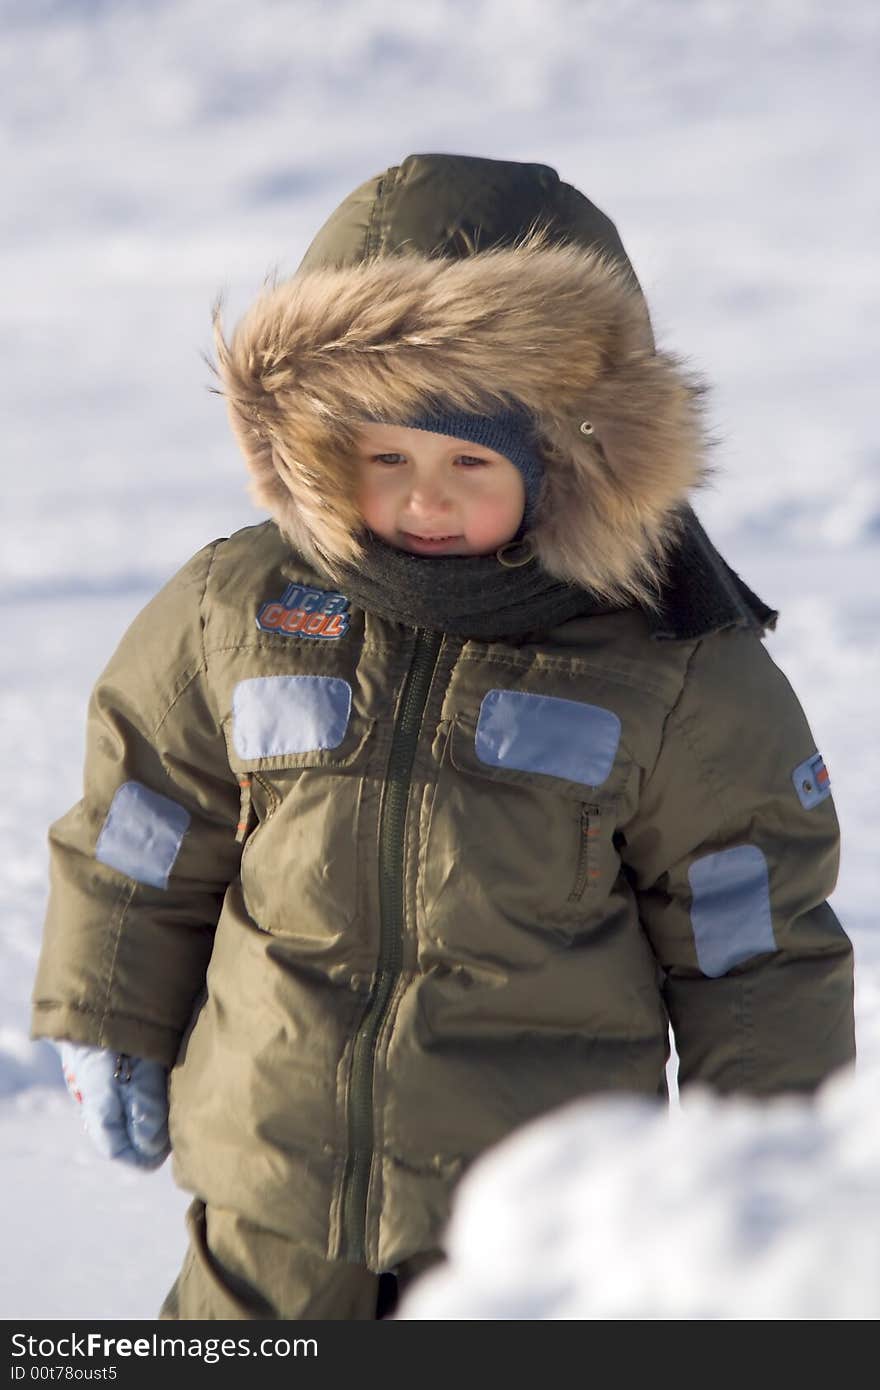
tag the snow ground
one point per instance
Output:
(156, 153)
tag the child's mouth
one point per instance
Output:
(428, 544)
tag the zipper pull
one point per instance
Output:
(245, 810)
(122, 1071)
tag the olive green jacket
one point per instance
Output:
(380, 894)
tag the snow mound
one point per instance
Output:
(622, 1209)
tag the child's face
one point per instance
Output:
(435, 495)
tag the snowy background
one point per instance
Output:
(156, 153)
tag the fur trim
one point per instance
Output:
(560, 329)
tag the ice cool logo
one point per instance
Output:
(305, 612)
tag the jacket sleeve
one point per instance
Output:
(732, 855)
(139, 867)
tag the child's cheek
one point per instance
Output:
(374, 504)
(493, 523)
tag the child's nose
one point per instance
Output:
(429, 495)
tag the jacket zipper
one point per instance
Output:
(392, 824)
(587, 864)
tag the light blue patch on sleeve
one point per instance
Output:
(542, 733)
(274, 715)
(142, 833)
(811, 781)
(730, 911)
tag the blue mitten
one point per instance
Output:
(123, 1100)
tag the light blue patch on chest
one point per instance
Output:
(542, 733)
(274, 715)
(142, 834)
(730, 911)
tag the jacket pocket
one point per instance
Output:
(300, 866)
(533, 839)
(280, 723)
(265, 782)
(459, 747)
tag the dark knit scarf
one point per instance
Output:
(479, 597)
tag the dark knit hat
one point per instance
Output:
(511, 432)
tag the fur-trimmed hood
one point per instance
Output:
(380, 320)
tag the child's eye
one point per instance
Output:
(468, 460)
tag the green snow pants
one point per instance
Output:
(234, 1269)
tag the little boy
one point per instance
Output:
(428, 805)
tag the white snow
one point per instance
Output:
(618, 1209)
(157, 153)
